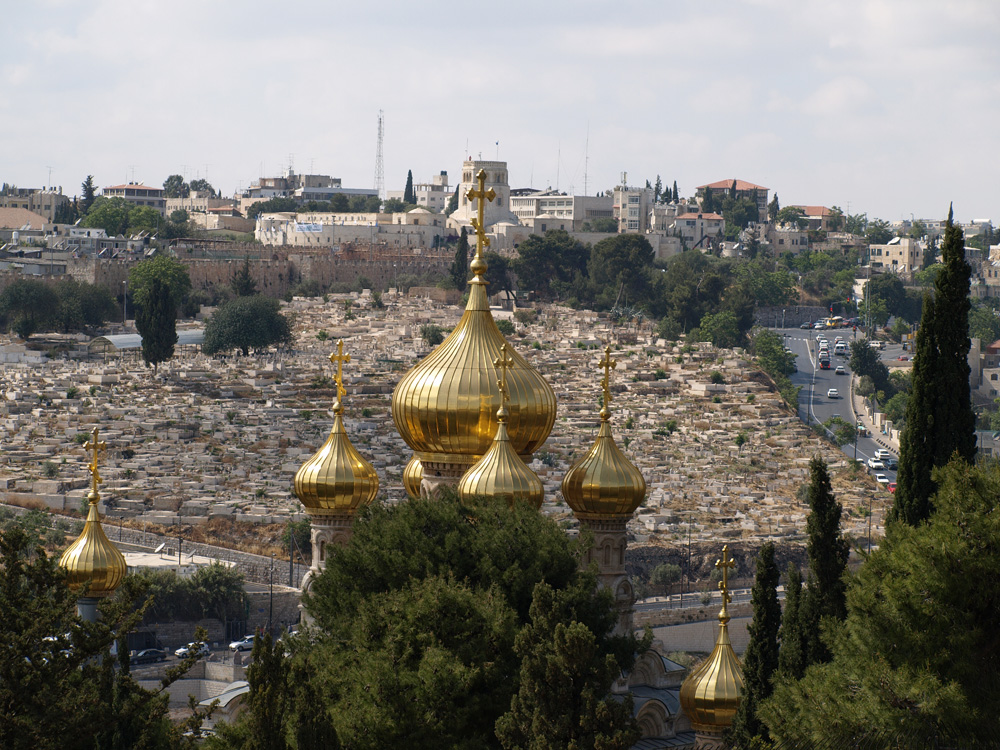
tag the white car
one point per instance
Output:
(201, 649)
(833, 393)
(875, 464)
(882, 454)
(882, 479)
(840, 370)
(243, 644)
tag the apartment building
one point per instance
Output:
(41, 201)
(139, 195)
(901, 255)
(536, 208)
(433, 195)
(739, 188)
(632, 207)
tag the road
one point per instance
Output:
(814, 404)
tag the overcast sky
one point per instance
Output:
(890, 108)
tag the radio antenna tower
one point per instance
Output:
(379, 164)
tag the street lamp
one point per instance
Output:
(125, 304)
(270, 598)
(782, 317)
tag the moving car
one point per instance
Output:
(806, 325)
(244, 644)
(149, 656)
(891, 463)
(882, 454)
(840, 370)
(875, 464)
(833, 393)
(201, 649)
(882, 479)
(892, 487)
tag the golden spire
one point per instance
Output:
(479, 225)
(444, 408)
(501, 473)
(337, 479)
(711, 693)
(92, 558)
(604, 483)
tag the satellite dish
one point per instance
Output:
(159, 549)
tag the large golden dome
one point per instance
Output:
(337, 479)
(444, 407)
(711, 693)
(604, 483)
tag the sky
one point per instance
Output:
(884, 107)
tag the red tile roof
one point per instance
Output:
(815, 210)
(725, 184)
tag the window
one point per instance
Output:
(632, 224)
(633, 199)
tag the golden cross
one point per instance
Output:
(339, 359)
(503, 362)
(95, 445)
(608, 364)
(725, 565)
(481, 195)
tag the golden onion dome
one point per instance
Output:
(444, 407)
(501, 473)
(92, 559)
(604, 482)
(711, 693)
(413, 474)
(337, 479)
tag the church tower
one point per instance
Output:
(496, 181)
(711, 693)
(604, 488)
(93, 565)
(334, 483)
(445, 407)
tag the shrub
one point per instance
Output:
(506, 327)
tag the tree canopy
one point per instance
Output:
(28, 305)
(170, 272)
(156, 320)
(246, 323)
(549, 263)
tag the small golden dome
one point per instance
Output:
(337, 479)
(444, 407)
(604, 482)
(501, 473)
(92, 558)
(413, 474)
(711, 693)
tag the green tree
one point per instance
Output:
(452, 203)
(563, 697)
(408, 196)
(676, 195)
(246, 323)
(865, 362)
(395, 206)
(175, 187)
(89, 192)
(792, 654)
(202, 186)
(242, 281)
(459, 270)
(109, 214)
(549, 264)
(939, 416)
(28, 305)
(619, 267)
(984, 323)
(657, 189)
(82, 304)
(887, 288)
(792, 215)
(144, 218)
(170, 272)
(828, 551)
(914, 664)
(708, 201)
(156, 321)
(67, 213)
(760, 660)
(339, 203)
(180, 216)
(498, 274)
(604, 224)
(432, 334)
(274, 206)
(878, 232)
(665, 574)
(856, 224)
(721, 329)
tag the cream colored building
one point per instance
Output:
(550, 209)
(901, 255)
(418, 228)
(632, 208)
(497, 210)
(698, 229)
(433, 195)
(44, 202)
(139, 195)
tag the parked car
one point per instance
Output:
(840, 370)
(149, 656)
(833, 393)
(201, 649)
(882, 479)
(875, 464)
(243, 644)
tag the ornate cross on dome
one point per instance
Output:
(608, 364)
(478, 222)
(725, 565)
(95, 445)
(503, 362)
(339, 359)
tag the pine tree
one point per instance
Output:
(773, 207)
(242, 281)
(677, 196)
(89, 194)
(657, 189)
(156, 321)
(761, 658)
(708, 202)
(460, 267)
(408, 190)
(792, 657)
(939, 416)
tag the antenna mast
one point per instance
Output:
(586, 159)
(379, 164)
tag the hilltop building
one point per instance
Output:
(739, 189)
(139, 195)
(496, 211)
(300, 187)
(40, 201)
(433, 195)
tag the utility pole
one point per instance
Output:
(270, 598)
(379, 164)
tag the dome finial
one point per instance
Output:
(339, 359)
(608, 364)
(94, 445)
(725, 565)
(503, 362)
(481, 195)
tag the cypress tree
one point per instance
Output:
(156, 321)
(677, 196)
(708, 203)
(791, 657)
(408, 190)
(460, 267)
(939, 417)
(761, 658)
